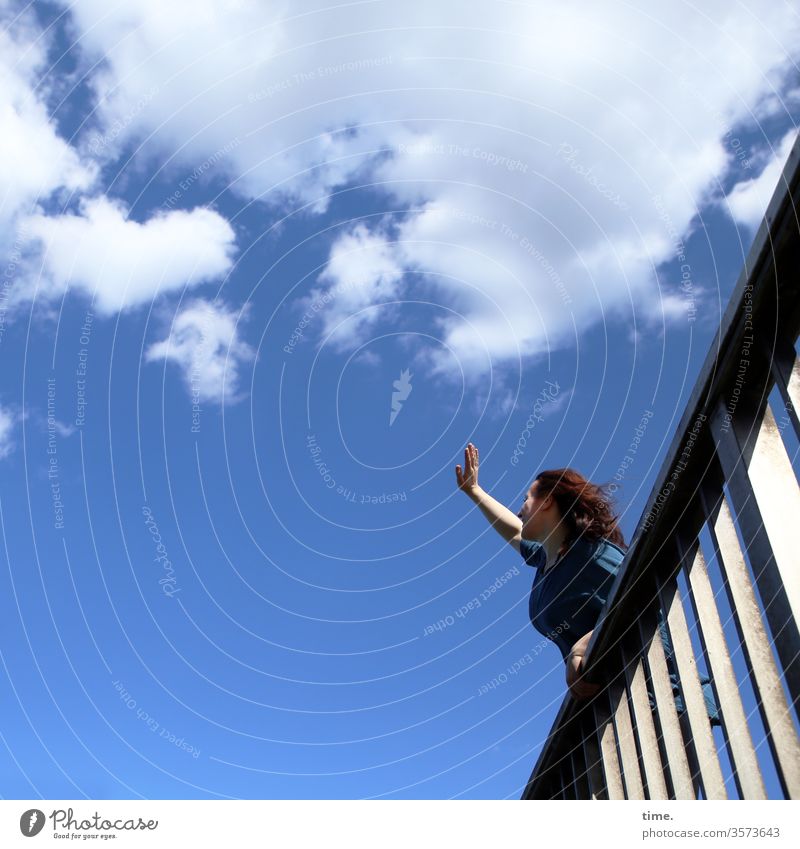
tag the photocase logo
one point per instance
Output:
(31, 822)
(402, 391)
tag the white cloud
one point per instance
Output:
(98, 251)
(7, 423)
(191, 74)
(533, 138)
(122, 263)
(747, 202)
(362, 271)
(781, 104)
(34, 160)
(204, 341)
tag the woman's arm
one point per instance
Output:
(579, 688)
(499, 516)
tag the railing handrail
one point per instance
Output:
(780, 223)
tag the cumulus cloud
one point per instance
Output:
(204, 342)
(522, 151)
(122, 263)
(747, 202)
(119, 262)
(361, 275)
(168, 67)
(34, 160)
(7, 423)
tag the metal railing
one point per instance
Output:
(715, 559)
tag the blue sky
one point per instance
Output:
(228, 233)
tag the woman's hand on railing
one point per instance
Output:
(579, 688)
(468, 478)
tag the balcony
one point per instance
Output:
(715, 552)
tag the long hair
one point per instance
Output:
(585, 507)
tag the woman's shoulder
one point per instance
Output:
(597, 550)
(582, 550)
(532, 552)
(609, 552)
(612, 545)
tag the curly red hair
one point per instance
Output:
(585, 506)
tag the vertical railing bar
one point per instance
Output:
(552, 784)
(665, 760)
(608, 747)
(568, 779)
(656, 787)
(775, 485)
(736, 732)
(548, 785)
(777, 603)
(591, 753)
(579, 773)
(693, 699)
(627, 698)
(786, 371)
(675, 748)
(562, 770)
(556, 786)
(756, 646)
(548, 782)
(626, 743)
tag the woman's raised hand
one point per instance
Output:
(468, 479)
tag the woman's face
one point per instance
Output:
(538, 515)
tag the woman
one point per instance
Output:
(566, 531)
(564, 602)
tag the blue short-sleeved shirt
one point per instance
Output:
(566, 601)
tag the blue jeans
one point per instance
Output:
(712, 709)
